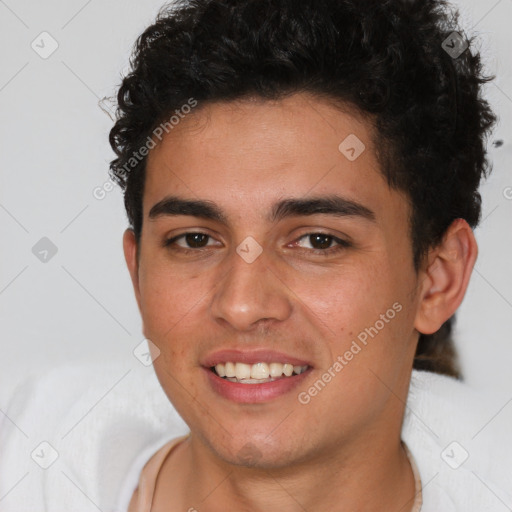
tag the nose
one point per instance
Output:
(251, 294)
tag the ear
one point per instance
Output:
(130, 255)
(444, 281)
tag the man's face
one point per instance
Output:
(303, 284)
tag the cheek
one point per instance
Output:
(167, 298)
(344, 299)
(171, 315)
(363, 314)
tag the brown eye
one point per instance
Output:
(322, 243)
(189, 241)
(196, 240)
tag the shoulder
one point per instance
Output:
(461, 441)
(72, 433)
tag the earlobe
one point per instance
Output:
(131, 258)
(446, 277)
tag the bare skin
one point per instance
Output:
(341, 450)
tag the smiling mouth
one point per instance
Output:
(258, 373)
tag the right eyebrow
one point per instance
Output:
(195, 208)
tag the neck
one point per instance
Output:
(373, 475)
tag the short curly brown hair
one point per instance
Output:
(405, 62)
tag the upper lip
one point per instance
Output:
(251, 357)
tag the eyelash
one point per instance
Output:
(342, 244)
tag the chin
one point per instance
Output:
(254, 453)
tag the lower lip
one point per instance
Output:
(254, 393)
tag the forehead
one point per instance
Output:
(245, 155)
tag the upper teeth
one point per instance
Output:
(257, 371)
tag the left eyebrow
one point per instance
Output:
(327, 205)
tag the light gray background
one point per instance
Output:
(54, 151)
